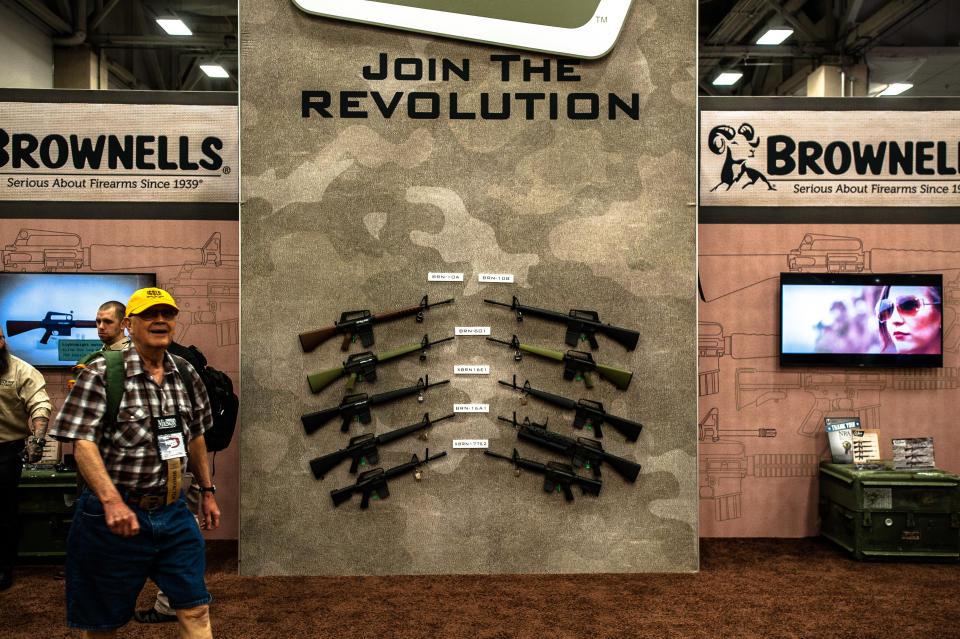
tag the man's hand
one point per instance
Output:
(209, 512)
(120, 519)
(35, 449)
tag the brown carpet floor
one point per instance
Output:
(746, 588)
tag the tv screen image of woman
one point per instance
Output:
(910, 320)
(861, 319)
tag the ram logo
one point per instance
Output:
(579, 28)
(737, 147)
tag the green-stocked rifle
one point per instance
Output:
(354, 324)
(364, 449)
(576, 364)
(589, 414)
(582, 325)
(373, 483)
(583, 452)
(357, 406)
(363, 366)
(556, 476)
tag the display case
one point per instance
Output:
(888, 514)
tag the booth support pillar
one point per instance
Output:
(834, 81)
(79, 68)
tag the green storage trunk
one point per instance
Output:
(891, 514)
(47, 500)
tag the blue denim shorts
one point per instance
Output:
(106, 572)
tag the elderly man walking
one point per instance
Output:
(131, 521)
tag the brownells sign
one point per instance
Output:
(80, 152)
(830, 158)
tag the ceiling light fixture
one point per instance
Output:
(727, 78)
(896, 88)
(775, 36)
(214, 71)
(174, 26)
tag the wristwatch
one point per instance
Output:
(208, 489)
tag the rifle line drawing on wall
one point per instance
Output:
(737, 366)
(206, 283)
(837, 394)
(724, 464)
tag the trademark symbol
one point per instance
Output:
(602, 19)
(226, 170)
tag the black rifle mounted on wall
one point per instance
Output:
(556, 476)
(364, 449)
(589, 414)
(357, 406)
(373, 483)
(582, 325)
(582, 452)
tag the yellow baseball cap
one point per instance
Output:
(146, 297)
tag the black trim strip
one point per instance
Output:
(827, 215)
(717, 103)
(120, 210)
(83, 96)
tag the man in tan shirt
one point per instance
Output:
(24, 413)
(110, 326)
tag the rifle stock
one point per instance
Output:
(623, 336)
(313, 421)
(617, 376)
(320, 380)
(309, 340)
(627, 428)
(15, 327)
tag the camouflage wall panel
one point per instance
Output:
(352, 213)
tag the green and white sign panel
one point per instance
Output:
(581, 28)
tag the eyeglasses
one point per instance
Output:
(153, 313)
(906, 305)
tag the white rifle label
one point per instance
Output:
(471, 408)
(472, 330)
(471, 370)
(444, 277)
(470, 443)
(503, 278)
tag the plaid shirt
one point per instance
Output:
(129, 450)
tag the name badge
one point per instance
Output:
(170, 438)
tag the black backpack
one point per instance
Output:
(224, 403)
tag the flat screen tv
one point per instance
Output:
(49, 318)
(877, 319)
